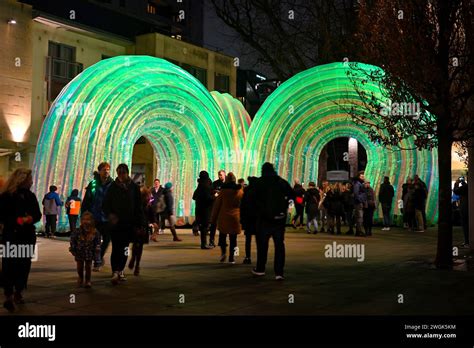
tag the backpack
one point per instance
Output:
(274, 201)
(160, 205)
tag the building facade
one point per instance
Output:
(43, 49)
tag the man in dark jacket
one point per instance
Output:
(248, 216)
(386, 194)
(216, 187)
(51, 203)
(168, 213)
(203, 198)
(360, 200)
(93, 201)
(461, 189)
(123, 208)
(272, 196)
(311, 199)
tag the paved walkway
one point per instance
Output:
(396, 262)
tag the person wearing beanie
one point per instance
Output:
(204, 199)
(168, 213)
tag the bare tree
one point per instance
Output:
(425, 48)
(292, 35)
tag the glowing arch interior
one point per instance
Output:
(309, 110)
(101, 113)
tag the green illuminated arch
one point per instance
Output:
(102, 113)
(306, 112)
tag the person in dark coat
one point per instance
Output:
(335, 208)
(299, 204)
(93, 201)
(419, 203)
(423, 186)
(369, 208)
(216, 188)
(348, 202)
(273, 195)
(226, 215)
(248, 216)
(386, 194)
(19, 211)
(360, 200)
(204, 199)
(311, 199)
(168, 213)
(73, 206)
(123, 207)
(461, 189)
(51, 203)
(156, 199)
(142, 235)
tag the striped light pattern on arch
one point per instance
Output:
(239, 122)
(102, 113)
(307, 111)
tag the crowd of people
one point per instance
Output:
(120, 212)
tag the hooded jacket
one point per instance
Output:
(94, 198)
(51, 202)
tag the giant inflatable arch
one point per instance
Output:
(310, 109)
(102, 113)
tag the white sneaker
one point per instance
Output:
(115, 278)
(279, 277)
(387, 229)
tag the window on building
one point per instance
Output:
(199, 73)
(221, 83)
(61, 67)
(151, 8)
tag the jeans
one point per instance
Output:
(212, 234)
(104, 231)
(120, 236)
(368, 220)
(15, 274)
(50, 227)
(265, 231)
(72, 222)
(310, 222)
(419, 220)
(299, 213)
(322, 217)
(232, 246)
(386, 214)
(359, 216)
(350, 219)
